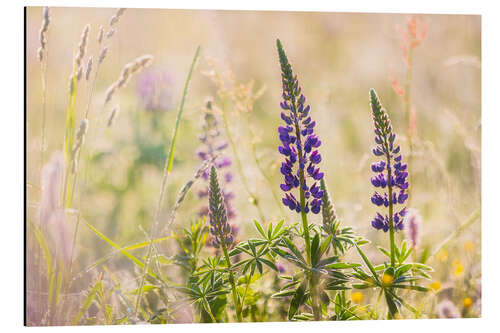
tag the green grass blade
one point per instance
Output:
(120, 249)
(179, 113)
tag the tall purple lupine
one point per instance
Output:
(391, 172)
(299, 145)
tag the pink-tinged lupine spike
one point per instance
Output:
(51, 186)
(52, 216)
(60, 234)
(413, 222)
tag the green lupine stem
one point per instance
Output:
(239, 166)
(233, 283)
(209, 311)
(391, 208)
(305, 226)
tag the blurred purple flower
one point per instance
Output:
(413, 221)
(446, 309)
(155, 90)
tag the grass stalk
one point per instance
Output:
(239, 166)
(267, 178)
(166, 171)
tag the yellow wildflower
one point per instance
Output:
(442, 255)
(467, 302)
(470, 246)
(459, 268)
(436, 285)
(387, 279)
(357, 297)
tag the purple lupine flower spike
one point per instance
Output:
(299, 144)
(390, 173)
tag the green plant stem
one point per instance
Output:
(209, 311)
(43, 67)
(249, 280)
(239, 166)
(233, 283)
(391, 208)
(471, 219)
(166, 171)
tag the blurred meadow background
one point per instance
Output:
(431, 89)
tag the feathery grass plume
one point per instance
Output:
(299, 145)
(80, 138)
(413, 223)
(102, 55)
(116, 17)
(43, 33)
(219, 227)
(42, 57)
(127, 72)
(327, 209)
(202, 169)
(100, 34)
(79, 73)
(113, 115)
(82, 46)
(89, 69)
(110, 33)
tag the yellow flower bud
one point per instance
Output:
(387, 279)
(357, 297)
(467, 302)
(436, 285)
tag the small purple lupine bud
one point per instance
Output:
(219, 227)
